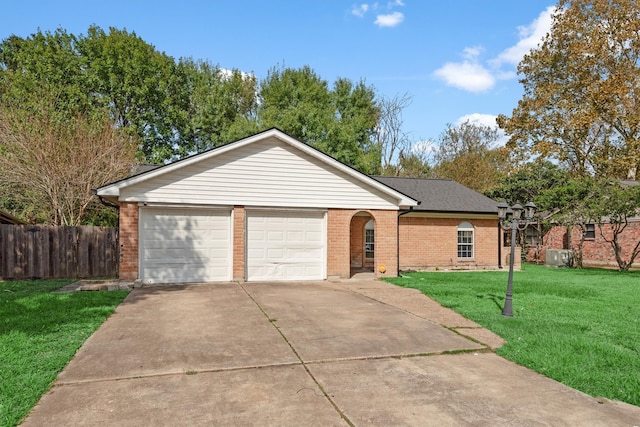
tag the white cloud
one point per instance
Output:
(468, 75)
(389, 20)
(385, 16)
(485, 120)
(360, 10)
(530, 37)
(473, 76)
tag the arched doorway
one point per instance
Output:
(362, 243)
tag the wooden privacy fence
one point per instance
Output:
(48, 252)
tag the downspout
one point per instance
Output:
(398, 237)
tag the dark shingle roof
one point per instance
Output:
(142, 168)
(440, 195)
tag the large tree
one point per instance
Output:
(338, 121)
(140, 87)
(582, 90)
(531, 182)
(221, 104)
(469, 154)
(355, 114)
(44, 63)
(528, 183)
(52, 165)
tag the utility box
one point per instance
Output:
(559, 257)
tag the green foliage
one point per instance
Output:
(140, 87)
(177, 108)
(355, 115)
(339, 122)
(575, 326)
(40, 332)
(45, 64)
(222, 104)
(529, 183)
(297, 102)
(171, 109)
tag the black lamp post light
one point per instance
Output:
(514, 223)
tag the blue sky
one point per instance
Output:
(456, 58)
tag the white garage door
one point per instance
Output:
(185, 245)
(286, 245)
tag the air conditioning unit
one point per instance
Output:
(559, 257)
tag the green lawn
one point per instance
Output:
(580, 327)
(40, 332)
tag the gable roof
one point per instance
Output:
(113, 191)
(441, 195)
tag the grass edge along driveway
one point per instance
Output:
(40, 332)
(579, 327)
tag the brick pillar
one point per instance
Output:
(128, 239)
(338, 257)
(238, 243)
(386, 243)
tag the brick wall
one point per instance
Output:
(238, 243)
(433, 242)
(596, 251)
(340, 241)
(128, 241)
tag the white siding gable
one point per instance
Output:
(268, 173)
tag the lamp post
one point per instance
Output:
(514, 224)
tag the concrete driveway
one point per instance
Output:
(303, 354)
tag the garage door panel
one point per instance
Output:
(185, 245)
(286, 245)
(275, 254)
(275, 236)
(163, 255)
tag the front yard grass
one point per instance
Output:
(40, 332)
(579, 327)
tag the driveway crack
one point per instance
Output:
(293, 349)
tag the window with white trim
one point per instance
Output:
(465, 240)
(590, 231)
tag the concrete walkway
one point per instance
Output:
(312, 354)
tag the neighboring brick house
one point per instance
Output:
(269, 207)
(596, 251)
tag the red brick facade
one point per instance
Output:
(429, 243)
(238, 243)
(345, 232)
(425, 243)
(128, 241)
(595, 251)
